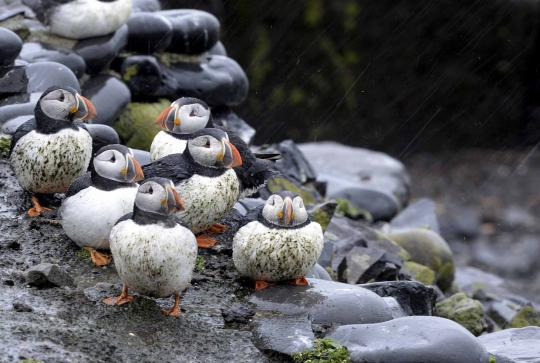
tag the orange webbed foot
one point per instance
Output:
(261, 285)
(37, 208)
(205, 241)
(300, 281)
(175, 310)
(217, 228)
(99, 258)
(124, 298)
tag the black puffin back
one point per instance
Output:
(142, 218)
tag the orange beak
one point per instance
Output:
(237, 159)
(179, 203)
(87, 111)
(162, 117)
(139, 175)
(288, 211)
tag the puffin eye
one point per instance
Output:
(61, 97)
(150, 190)
(112, 159)
(207, 143)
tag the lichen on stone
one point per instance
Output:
(324, 351)
(527, 316)
(346, 208)
(463, 310)
(278, 184)
(136, 124)
(5, 143)
(420, 272)
(200, 263)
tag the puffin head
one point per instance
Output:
(212, 148)
(116, 162)
(65, 103)
(158, 195)
(285, 209)
(184, 116)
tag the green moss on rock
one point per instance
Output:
(346, 208)
(324, 351)
(429, 249)
(323, 213)
(83, 254)
(278, 184)
(527, 316)
(420, 272)
(463, 310)
(5, 143)
(200, 263)
(137, 123)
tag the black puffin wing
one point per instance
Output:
(79, 184)
(173, 167)
(21, 131)
(125, 217)
(43, 8)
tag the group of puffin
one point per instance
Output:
(154, 217)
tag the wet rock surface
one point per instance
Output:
(10, 46)
(411, 340)
(36, 52)
(514, 345)
(109, 95)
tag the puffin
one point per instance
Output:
(53, 149)
(205, 178)
(187, 115)
(154, 254)
(178, 121)
(277, 242)
(81, 19)
(97, 200)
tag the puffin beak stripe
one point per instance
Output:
(89, 108)
(288, 212)
(177, 121)
(139, 175)
(237, 159)
(179, 203)
(162, 117)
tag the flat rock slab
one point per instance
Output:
(514, 345)
(326, 302)
(286, 334)
(411, 339)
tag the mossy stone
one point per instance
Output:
(200, 264)
(5, 143)
(278, 184)
(429, 249)
(348, 209)
(463, 310)
(323, 213)
(136, 124)
(324, 351)
(420, 272)
(527, 316)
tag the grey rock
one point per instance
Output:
(237, 314)
(413, 339)
(33, 52)
(380, 206)
(514, 345)
(218, 49)
(461, 222)
(345, 167)
(414, 298)
(18, 105)
(326, 302)
(286, 334)
(102, 135)
(109, 95)
(11, 125)
(224, 116)
(99, 52)
(37, 77)
(22, 307)
(148, 33)
(145, 6)
(318, 272)
(294, 163)
(142, 156)
(363, 264)
(10, 46)
(421, 213)
(47, 275)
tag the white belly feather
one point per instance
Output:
(153, 260)
(207, 200)
(49, 163)
(82, 19)
(274, 254)
(89, 215)
(164, 144)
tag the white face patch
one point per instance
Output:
(110, 163)
(58, 104)
(205, 150)
(193, 117)
(275, 210)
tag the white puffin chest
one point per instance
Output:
(89, 215)
(165, 144)
(276, 254)
(152, 259)
(48, 163)
(207, 199)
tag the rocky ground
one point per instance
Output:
(488, 204)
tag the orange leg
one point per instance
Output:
(175, 310)
(120, 300)
(205, 241)
(37, 209)
(98, 258)
(217, 228)
(260, 284)
(301, 281)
